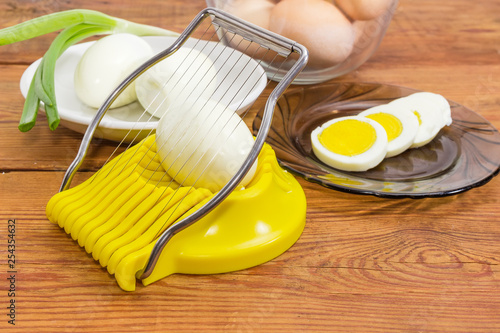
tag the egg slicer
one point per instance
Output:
(157, 207)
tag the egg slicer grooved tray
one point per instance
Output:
(136, 215)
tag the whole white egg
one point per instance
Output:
(105, 64)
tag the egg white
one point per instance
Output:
(439, 101)
(105, 64)
(188, 74)
(433, 114)
(409, 127)
(360, 162)
(203, 144)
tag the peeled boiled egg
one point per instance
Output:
(105, 64)
(351, 143)
(363, 9)
(318, 25)
(203, 144)
(433, 113)
(188, 74)
(400, 125)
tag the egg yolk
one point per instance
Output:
(390, 123)
(348, 137)
(418, 117)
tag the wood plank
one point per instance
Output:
(348, 264)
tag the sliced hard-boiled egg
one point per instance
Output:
(439, 101)
(432, 111)
(351, 143)
(401, 126)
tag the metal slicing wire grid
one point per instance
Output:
(193, 100)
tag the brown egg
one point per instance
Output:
(318, 25)
(363, 9)
(257, 12)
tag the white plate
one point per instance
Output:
(130, 120)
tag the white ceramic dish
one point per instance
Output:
(130, 121)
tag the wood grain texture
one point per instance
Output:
(363, 264)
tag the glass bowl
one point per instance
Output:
(340, 34)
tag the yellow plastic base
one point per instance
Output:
(118, 213)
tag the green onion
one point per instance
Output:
(76, 25)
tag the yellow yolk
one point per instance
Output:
(348, 137)
(350, 143)
(418, 117)
(391, 124)
(401, 126)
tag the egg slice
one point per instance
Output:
(401, 126)
(351, 143)
(439, 101)
(203, 144)
(432, 111)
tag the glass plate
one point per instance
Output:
(462, 156)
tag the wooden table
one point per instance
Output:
(363, 263)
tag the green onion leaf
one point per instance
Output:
(76, 25)
(53, 22)
(31, 105)
(40, 91)
(52, 116)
